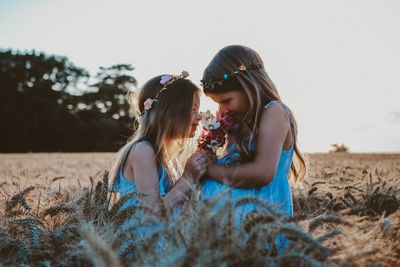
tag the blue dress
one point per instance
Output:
(278, 192)
(124, 186)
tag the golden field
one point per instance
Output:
(363, 190)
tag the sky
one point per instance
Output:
(336, 64)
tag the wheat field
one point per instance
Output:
(54, 211)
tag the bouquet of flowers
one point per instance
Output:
(215, 128)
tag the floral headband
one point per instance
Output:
(213, 84)
(165, 80)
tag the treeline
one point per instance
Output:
(49, 104)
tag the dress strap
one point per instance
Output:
(270, 103)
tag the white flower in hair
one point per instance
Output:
(166, 78)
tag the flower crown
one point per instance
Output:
(213, 84)
(165, 80)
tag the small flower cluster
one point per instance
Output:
(215, 128)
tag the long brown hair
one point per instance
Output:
(259, 89)
(166, 125)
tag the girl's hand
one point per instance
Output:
(210, 162)
(196, 166)
(207, 156)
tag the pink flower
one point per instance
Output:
(148, 103)
(214, 131)
(225, 120)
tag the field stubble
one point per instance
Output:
(363, 189)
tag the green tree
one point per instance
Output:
(46, 104)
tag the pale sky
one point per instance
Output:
(336, 63)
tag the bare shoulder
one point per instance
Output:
(143, 147)
(275, 113)
(142, 151)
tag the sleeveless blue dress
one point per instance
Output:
(124, 186)
(278, 192)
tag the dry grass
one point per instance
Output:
(365, 190)
(54, 211)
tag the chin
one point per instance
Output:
(193, 133)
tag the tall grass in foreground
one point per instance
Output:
(39, 227)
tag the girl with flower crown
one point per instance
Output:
(260, 153)
(151, 162)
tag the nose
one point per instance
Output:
(198, 117)
(224, 109)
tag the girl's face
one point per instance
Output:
(233, 103)
(196, 117)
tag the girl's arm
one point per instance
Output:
(195, 168)
(145, 173)
(143, 164)
(273, 129)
